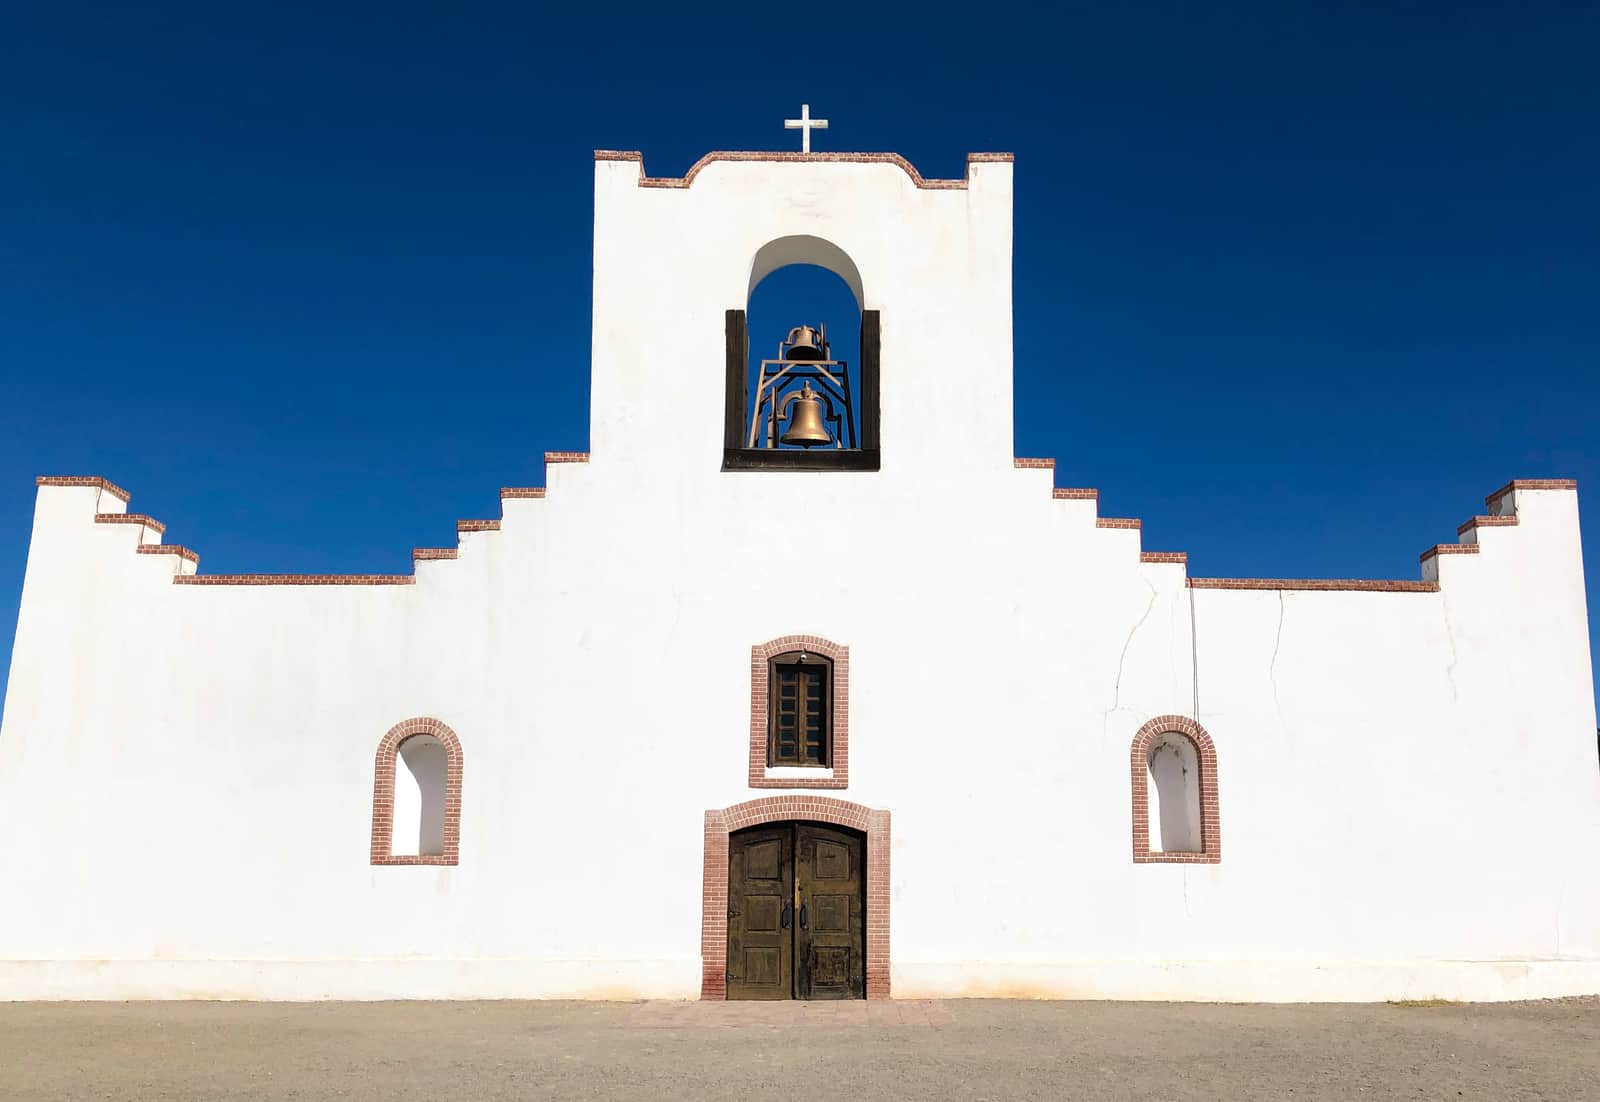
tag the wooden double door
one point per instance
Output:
(796, 913)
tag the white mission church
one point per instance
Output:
(591, 750)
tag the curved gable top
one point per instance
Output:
(815, 158)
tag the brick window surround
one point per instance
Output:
(1139, 769)
(383, 793)
(770, 809)
(839, 751)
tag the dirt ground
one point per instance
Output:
(779, 1052)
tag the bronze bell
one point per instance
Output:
(805, 419)
(805, 343)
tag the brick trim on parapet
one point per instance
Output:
(839, 752)
(769, 809)
(1033, 464)
(1063, 493)
(130, 518)
(294, 579)
(1486, 522)
(1356, 585)
(1448, 549)
(566, 457)
(84, 480)
(1531, 484)
(507, 492)
(1165, 556)
(1119, 522)
(383, 793)
(477, 526)
(802, 158)
(177, 549)
(1139, 769)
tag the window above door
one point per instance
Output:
(799, 713)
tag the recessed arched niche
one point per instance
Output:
(802, 397)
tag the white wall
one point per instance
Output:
(1435, 751)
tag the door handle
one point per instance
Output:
(804, 924)
(787, 916)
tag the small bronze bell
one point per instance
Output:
(805, 419)
(805, 343)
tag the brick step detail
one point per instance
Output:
(1062, 493)
(294, 579)
(1530, 484)
(1356, 585)
(1474, 523)
(1165, 556)
(84, 480)
(508, 492)
(177, 549)
(424, 554)
(477, 526)
(566, 457)
(1119, 522)
(130, 518)
(1448, 549)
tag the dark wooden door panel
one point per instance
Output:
(830, 934)
(761, 913)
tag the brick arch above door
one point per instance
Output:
(872, 822)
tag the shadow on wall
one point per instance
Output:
(1175, 796)
(419, 798)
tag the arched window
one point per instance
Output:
(799, 713)
(802, 361)
(1173, 766)
(416, 795)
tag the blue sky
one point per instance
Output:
(1296, 284)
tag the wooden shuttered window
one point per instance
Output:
(800, 710)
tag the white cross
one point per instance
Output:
(805, 124)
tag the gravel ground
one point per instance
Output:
(786, 1052)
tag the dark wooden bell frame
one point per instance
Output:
(736, 456)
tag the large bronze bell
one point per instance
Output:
(805, 419)
(805, 343)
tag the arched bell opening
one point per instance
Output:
(804, 373)
(802, 362)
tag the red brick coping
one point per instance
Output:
(769, 809)
(177, 549)
(83, 480)
(130, 518)
(1067, 494)
(383, 793)
(1448, 549)
(1118, 522)
(1342, 584)
(1139, 769)
(520, 491)
(566, 457)
(477, 526)
(294, 579)
(1164, 556)
(802, 158)
(839, 757)
(427, 554)
(1531, 484)
(1486, 522)
(1033, 464)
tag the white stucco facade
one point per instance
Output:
(1407, 782)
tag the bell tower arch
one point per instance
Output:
(675, 260)
(808, 400)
